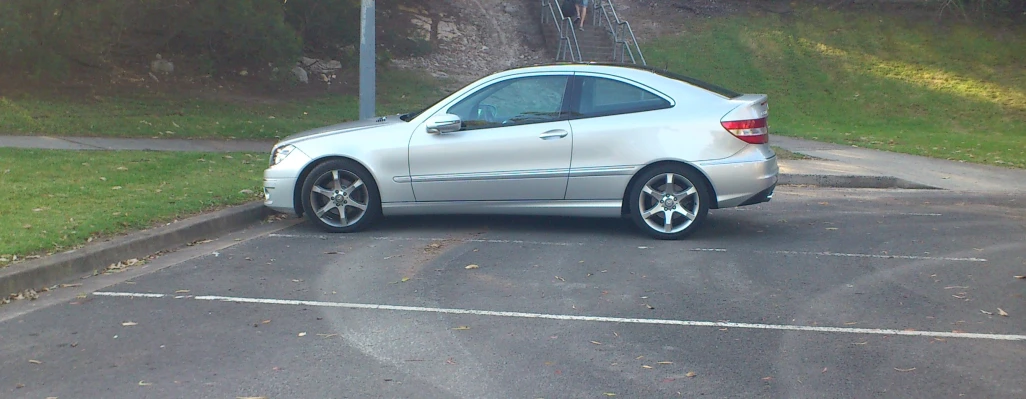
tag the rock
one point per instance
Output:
(160, 65)
(300, 74)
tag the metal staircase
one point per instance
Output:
(606, 37)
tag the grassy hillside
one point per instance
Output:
(882, 81)
(163, 115)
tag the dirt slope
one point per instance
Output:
(478, 37)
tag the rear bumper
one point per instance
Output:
(763, 196)
(745, 179)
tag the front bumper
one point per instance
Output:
(279, 194)
(280, 182)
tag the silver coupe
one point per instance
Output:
(560, 139)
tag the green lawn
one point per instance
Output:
(170, 116)
(55, 200)
(869, 79)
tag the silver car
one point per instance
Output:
(562, 139)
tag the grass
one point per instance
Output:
(788, 155)
(879, 81)
(55, 200)
(170, 116)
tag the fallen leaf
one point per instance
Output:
(824, 370)
(767, 378)
(129, 323)
(609, 394)
(469, 267)
(645, 366)
(986, 312)
(596, 342)
(182, 291)
(831, 228)
(327, 335)
(904, 370)
(560, 278)
(859, 343)
(664, 362)
(265, 322)
(71, 285)
(405, 279)
(116, 188)
(145, 384)
(461, 328)
(302, 334)
(1001, 312)
(1020, 277)
(34, 361)
(691, 374)
(649, 306)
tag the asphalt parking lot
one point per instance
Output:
(821, 293)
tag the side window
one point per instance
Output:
(601, 97)
(513, 102)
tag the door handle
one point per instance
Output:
(554, 134)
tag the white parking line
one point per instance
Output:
(562, 244)
(846, 255)
(719, 324)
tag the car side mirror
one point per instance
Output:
(444, 123)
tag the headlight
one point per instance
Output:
(280, 153)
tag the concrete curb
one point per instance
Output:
(850, 181)
(60, 267)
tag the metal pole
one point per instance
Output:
(367, 57)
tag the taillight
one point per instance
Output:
(751, 131)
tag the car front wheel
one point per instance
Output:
(669, 202)
(339, 196)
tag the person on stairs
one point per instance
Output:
(582, 12)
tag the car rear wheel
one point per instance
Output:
(669, 202)
(339, 196)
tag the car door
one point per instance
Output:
(615, 121)
(514, 143)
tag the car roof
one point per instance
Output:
(622, 68)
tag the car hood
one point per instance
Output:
(345, 127)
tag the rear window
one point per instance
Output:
(723, 91)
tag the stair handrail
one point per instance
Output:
(567, 42)
(620, 30)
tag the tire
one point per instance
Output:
(689, 198)
(355, 195)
